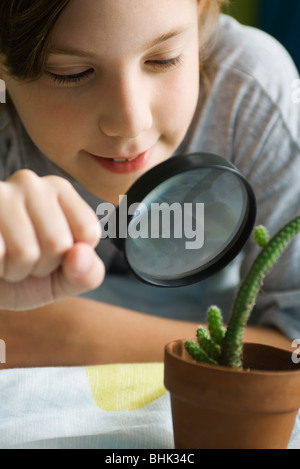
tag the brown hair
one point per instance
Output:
(208, 20)
(26, 26)
(25, 29)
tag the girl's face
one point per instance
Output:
(121, 81)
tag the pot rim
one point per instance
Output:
(169, 349)
(256, 390)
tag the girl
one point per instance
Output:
(99, 92)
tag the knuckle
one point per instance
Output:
(88, 226)
(82, 231)
(57, 245)
(3, 186)
(25, 177)
(6, 192)
(25, 255)
(58, 182)
(88, 232)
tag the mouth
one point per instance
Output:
(126, 164)
(126, 160)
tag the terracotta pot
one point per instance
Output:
(215, 407)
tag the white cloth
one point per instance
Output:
(102, 407)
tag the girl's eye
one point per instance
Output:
(78, 78)
(165, 64)
(73, 79)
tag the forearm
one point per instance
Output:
(267, 336)
(78, 331)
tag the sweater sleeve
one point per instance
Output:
(272, 165)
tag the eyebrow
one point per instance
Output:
(57, 50)
(165, 37)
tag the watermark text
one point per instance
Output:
(296, 353)
(159, 220)
(2, 351)
(2, 92)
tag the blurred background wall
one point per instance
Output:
(280, 18)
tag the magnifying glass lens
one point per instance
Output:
(189, 226)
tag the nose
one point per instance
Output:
(125, 110)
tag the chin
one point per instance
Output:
(108, 196)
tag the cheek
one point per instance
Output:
(180, 100)
(55, 126)
(60, 124)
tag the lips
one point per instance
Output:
(124, 165)
(125, 160)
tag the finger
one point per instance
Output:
(22, 249)
(82, 270)
(33, 195)
(2, 255)
(83, 221)
(53, 233)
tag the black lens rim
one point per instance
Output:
(170, 168)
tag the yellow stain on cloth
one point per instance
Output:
(126, 387)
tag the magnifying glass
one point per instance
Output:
(185, 219)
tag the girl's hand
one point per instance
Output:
(47, 238)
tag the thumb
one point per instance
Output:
(81, 270)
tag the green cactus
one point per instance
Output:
(198, 353)
(215, 325)
(261, 236)
(224, 346)
(208, 345)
